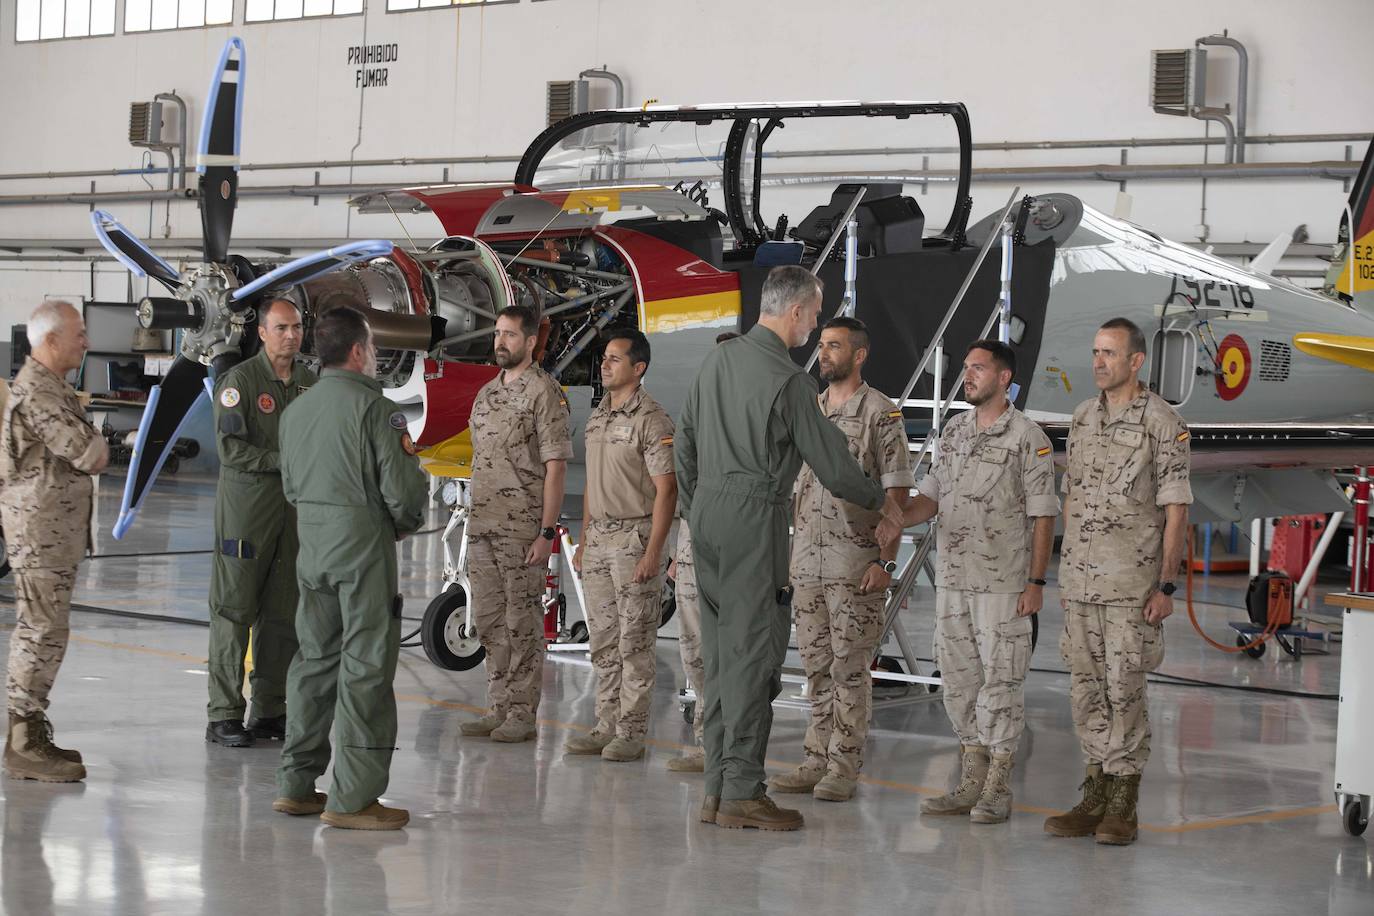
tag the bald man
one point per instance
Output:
(253, 576)
(48, 453)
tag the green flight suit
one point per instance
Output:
(749, 422)
(348, 466)
(253, 572)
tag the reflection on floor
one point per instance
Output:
(1236, 804)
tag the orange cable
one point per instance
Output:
(1270, 628)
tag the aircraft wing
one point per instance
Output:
(1246, 471)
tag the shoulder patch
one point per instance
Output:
(1042, 452)
(1182, 437)
(266, 403)
(229, 397)
(666, 440)
(894, 414)
(398, 421)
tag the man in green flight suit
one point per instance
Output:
(349, 468)
(253, 573)
(750, 420)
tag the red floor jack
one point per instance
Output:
(555, 602)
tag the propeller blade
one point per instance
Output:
(217, 158)
(127, 249)
(170, 404)
(313, 265)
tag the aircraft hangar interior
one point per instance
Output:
(1036, 581)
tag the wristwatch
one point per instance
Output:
(1034, 581)
(888, 566)
(1167, 588)
(549, 533)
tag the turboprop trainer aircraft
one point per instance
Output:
(1275, 380)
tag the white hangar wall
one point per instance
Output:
(471, 82)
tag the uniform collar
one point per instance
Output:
(629, 407)
(998, 426)
(265, 365)
(350, 375)
(46, 375)
(766, 338)
(850, 408)
(1134, 412)
(520, 382)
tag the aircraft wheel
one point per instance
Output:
(669, 601)
(933, 688)
(444, 632)
(578, 632)
(689, 711)
(1253, 651)
(1352, 816)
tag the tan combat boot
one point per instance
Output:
(1118, 827)
(593, 742)
(761, 813)
(1083, 818)
(802, 779)
(483, 727)
(29, 752)
(994, 803)
(513, 731)
(835, 788)
(972, 775)
(375, 816)
(623, 750)
(314, 804)
(693, 761)
(65, 753)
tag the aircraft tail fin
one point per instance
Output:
(1352, 267)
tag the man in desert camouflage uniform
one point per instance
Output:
(520, 452)
(840, 573)
(993, 488)
(683, 572)
(1127, 493)
(626, 514)
(48, 453)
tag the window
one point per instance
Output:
(267, 10)
(37, 20)
(396, 6)
(157, 15)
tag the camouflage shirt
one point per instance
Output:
(516, 427)
(49, 451)
(990, 484)
(627, 446)
(831, 536)
(1121, 474)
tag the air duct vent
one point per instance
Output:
(1178, 80)
(566, 98)
(1276, 358)
(145, 124)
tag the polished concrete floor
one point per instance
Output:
(1236, 808)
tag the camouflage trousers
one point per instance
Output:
(983, 651)
(622, 624)
(837, 632)
(505, 597)
(43, 599)
(689, 626)
(1109, 650)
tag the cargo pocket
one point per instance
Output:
(1015, 638)
(1152, 647)
(234, 591)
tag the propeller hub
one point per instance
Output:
(219, 329)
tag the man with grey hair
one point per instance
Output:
(750, 420)
(48, 452)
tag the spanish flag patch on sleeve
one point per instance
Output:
(1042, 452)
(1182, 437)
(666, 440)
(895, 414)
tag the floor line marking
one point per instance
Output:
(1216, 823)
